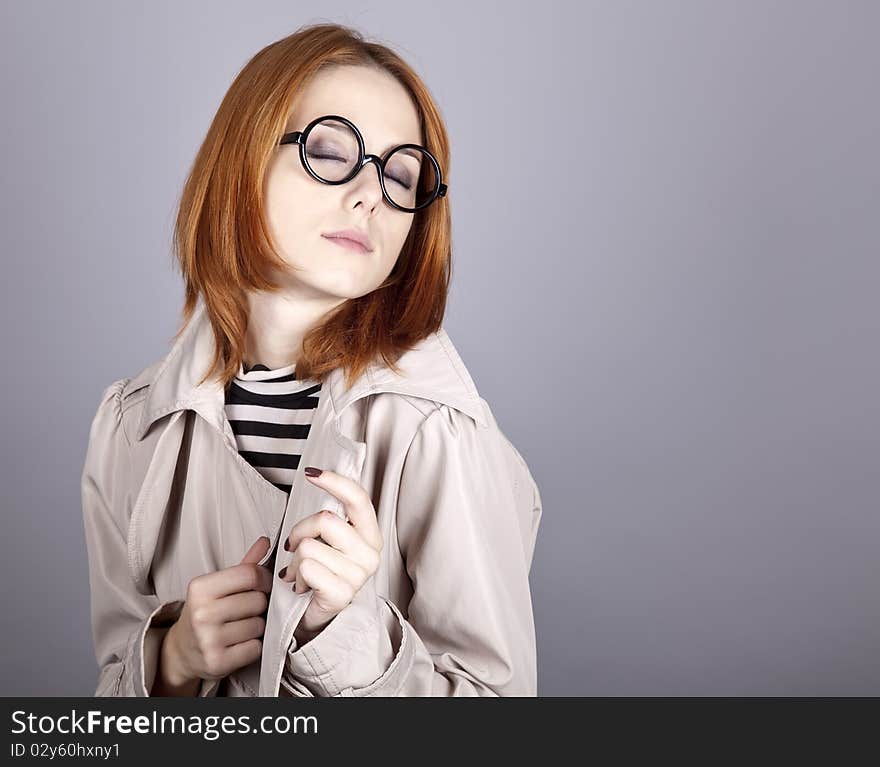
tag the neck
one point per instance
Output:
(277, 324)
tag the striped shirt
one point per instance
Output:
(271, 412)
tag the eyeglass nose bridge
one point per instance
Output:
(380, 171)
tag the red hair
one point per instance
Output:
(222, 243)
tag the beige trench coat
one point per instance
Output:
(166, 497)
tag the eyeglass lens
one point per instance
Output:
(332, 153)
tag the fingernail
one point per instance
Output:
(287, 544)
(311, 471)
(282, 572)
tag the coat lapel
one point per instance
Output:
(148, 512)
(329, 449)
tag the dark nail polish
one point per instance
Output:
(312, 471)
(282, 572)
(287, 544)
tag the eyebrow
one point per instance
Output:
(411, 152)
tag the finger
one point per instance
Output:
(265, 577)
(356, 500)
(259, 548)
(329, 588)
(232, 580)
(234, 632)
(243, 654)
(331, 558)
(334, 531)
(238, 606)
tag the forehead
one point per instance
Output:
(373, 100)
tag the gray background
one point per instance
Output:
(670, 303)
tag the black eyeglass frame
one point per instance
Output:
(301, 137)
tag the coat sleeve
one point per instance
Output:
(467, 517)
(127, 627)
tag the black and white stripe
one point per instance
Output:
(271, 412)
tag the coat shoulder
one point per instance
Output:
(408, 404)
(136, 387)
(451, 448)
(107, 417)
(454, 428)
(118, 410)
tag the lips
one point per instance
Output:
(345, 242)
(352, 233)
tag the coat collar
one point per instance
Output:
(432, 369)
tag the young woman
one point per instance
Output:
(307, 496)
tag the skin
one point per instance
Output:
(221, 625)
(300, 209)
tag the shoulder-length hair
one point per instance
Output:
(223, 246)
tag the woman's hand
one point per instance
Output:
(338, 568)
(221, 624)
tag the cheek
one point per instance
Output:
(291, 210)
(392, 245)
(399, 235)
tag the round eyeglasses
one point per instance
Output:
(332, 151)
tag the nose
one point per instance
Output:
(374, 190)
